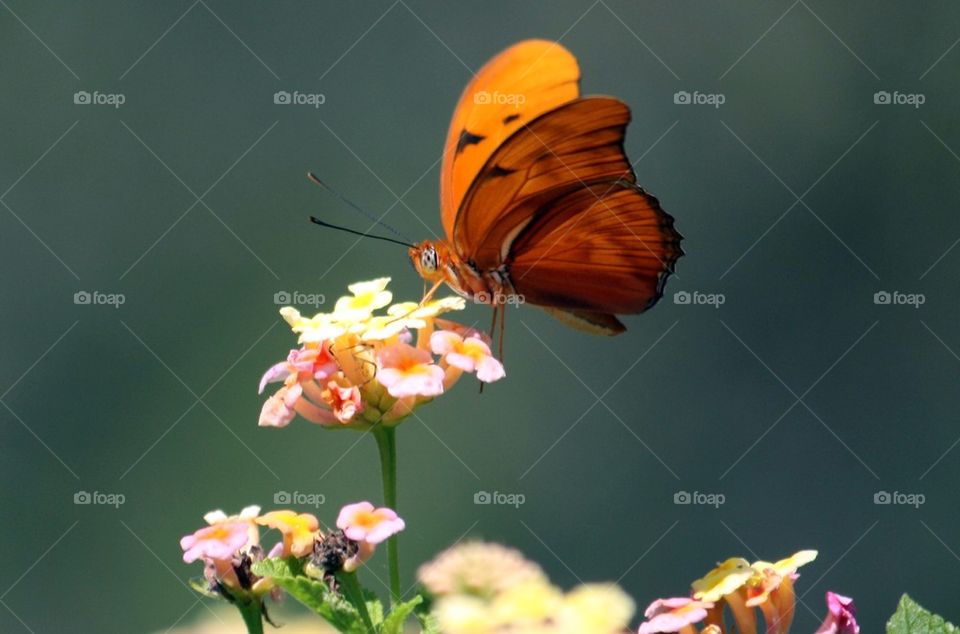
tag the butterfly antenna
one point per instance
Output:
(349, 203)
(317, 221)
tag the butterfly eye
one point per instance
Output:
(428, 259)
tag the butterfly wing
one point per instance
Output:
(606, 248)
(558, 204)
(515, 87)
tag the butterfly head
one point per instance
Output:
(429, 258)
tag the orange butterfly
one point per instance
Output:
(539, 202)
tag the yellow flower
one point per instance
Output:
(599, 608)
(462, 614)
(727, 577)
(299, 531)
(367, 297)
(405, 316)
(316, 329)
(382, 327)
(768, 577)
(526, 603)
(789, 565)
(429, 310)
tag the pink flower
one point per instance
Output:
(219, 541)
(361, 522)
(277, 372)
(279, 409)
(304, 364)
(463, 331)
(841, 616)
(674, 615)
(470, 354)
(364, 552)
(345, 402)
(408, 371)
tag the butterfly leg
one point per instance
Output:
(493, 331)
(503, 321)
(493, 324)
(429, 294)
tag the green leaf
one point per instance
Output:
(288, 574)
(910, 618)
(394, 622)
(203, 587)
(278, 567)
(374, 607)
(316, 596)
(428, 623)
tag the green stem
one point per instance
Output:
(251, 611)
(352, 592)
(387, 445)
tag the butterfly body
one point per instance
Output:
(539, 202)
(437, 262)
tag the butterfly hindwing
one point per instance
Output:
(606, 248)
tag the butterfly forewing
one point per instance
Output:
(515, 87)
(563, 150)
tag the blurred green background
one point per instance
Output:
(156, 399)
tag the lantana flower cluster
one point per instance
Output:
(356, 368)
(229, 545)
(745, 588)
(481, 588)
